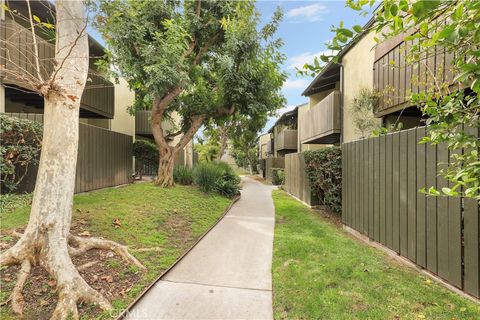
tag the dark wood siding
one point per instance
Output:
(426, 230)
(105, 158)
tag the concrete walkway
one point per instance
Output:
(228, 274)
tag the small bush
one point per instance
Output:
(216, 177)
(205, 175)
(278, 176)
(228, 184)
(183, 175)
(324, 171)
(20, 145)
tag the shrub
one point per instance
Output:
(324, 171)
(205, 175)
(228, 184)
(216, 177)
(20, 145)
(278, 176)
(183, 175)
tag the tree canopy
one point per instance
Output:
(201, 59)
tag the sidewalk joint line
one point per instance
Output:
(216, 285)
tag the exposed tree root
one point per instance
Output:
(87, 265)
(85, 244)
(74, 291)
(71, 287)
(17, 296)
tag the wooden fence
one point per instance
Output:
(380, 198)
(104, 158)
(273, 163)
(296, 180)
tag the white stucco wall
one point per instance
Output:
(123, 122)
(358, 74)
(262, 145)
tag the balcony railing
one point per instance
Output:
(17, 56)
(286, 140)
(143, 123)
(395, 79)
(321, 124)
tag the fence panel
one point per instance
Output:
(472, 243)
(296, 180)
(271, 163)
(104, 158)
(381, 181)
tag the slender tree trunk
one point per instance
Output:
(223, 143)
(46, 238)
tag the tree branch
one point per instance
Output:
(35, 45)
(206, 47)
(158, 110)
(197, 122)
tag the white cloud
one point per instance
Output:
(299, 60)
(285, 109)
(309, 13)
(296, 84)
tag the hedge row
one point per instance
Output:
(20, 145)
(324, 171)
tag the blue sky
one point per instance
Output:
(304, 30)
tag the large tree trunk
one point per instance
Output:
(165, 167)
(46, 238)
(167, 152)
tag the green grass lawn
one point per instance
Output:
(321, 272)
(169, 220)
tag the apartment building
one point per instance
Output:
(107, 129)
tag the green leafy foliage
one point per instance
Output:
(207, 147)
(20, 145)
(452, 109)
(183, 175)
(363, 106)
(146, 153)
(216, 177)
(10, 202)
(203, 60)
(278, 176)
(324, 171)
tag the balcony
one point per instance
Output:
(322, 124)
(143, 124)
(270, 147)
(395, 83)
(17, 56)
(286, 140)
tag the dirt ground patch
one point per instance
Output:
(101, 269)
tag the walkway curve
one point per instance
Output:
(227, 275)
